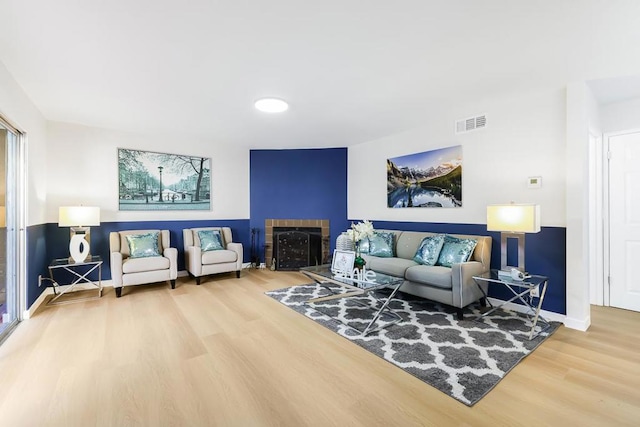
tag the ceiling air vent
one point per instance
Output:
(472, 123)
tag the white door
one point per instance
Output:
(624, 218)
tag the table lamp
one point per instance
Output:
(79, 218)
(513, 221)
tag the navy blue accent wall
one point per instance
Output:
(299, 184)
(37, 260)
(48, 241)
(545, 254)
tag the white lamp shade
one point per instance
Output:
(513, 218)
(78, 216)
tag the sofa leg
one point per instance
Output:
(238, 274)
(198, 280)
(173, 284)
(483, 302)
(460, 313)
(118, 292)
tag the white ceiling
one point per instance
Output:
(351, 70)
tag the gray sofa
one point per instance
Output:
(453, 286)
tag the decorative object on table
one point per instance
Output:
(80, 219)
(513, 221)
(344, 242)
(463, 359)
(161, 181)
(342, 262)
(358, 232)
(430, 179)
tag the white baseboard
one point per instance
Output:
(549, 315)
(580, 325)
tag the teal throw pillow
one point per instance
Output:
(143, 245)
(429, 250)
(455, 251)
(381, 245)
(362, 246)
(210, 240)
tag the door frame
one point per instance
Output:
(20, 213)
(597, 175)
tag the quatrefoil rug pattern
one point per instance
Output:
(464, 359)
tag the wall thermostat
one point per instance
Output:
(534, 182)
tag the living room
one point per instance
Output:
(540, 107)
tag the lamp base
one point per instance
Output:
(79, 244)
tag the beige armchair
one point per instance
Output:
(201, 263)
(152, 260)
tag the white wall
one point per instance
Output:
(525, 136)
(84, 170)
(621, 116)
(18, 109)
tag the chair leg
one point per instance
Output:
(118, 292)
(198, 280)
(173, 284)
(238, 274)
(460, 313)
(483, 302)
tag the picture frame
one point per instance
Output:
(342, 262)
(429, 179)
(153, 181)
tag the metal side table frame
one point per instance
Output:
(92, 263)
(524, 289)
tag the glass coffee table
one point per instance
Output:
(322, 275)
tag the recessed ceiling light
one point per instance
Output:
(271, 105)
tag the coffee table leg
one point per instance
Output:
(377, 315)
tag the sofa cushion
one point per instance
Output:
(218, 257)
(210, 240)
(437, 276)
(429, 250)
(381, 245)
(391, 266)
(455, 251)
(143, 245)
(139, 265)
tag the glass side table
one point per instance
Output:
(80, 272)
(526, 291)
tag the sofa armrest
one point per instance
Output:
(116, 269)
(237, 248)
(172, 254)
(193, 256)
(465, 289)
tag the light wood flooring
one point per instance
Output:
(224, 354)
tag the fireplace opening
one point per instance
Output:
(297, 247)
(313, 226)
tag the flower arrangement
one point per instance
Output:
(361, 230)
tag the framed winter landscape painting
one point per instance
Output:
(159, 181)
(431, 179)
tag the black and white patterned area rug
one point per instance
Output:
(464, 359)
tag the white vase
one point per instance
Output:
(344, 242)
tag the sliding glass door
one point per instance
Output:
(10, 214)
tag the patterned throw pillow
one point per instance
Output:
(455, 251)
(381, 245)
(429, 250)
(210, 240)
(143, 245)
